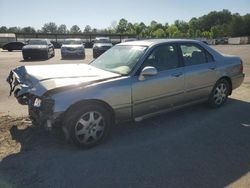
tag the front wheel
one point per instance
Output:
(88, 125)
(53, 54)
(219, 94)
(47, 55)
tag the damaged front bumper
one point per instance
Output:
(40, 108)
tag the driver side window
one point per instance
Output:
(164, 57)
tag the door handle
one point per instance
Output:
(178, 74)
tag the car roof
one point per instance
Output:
(151, 42)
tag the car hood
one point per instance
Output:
(39, 79)
(72, 45)
(26, 47)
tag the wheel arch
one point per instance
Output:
(91, 102)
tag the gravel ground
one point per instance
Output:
(192, 147)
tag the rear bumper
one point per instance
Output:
(33, 53)
(237, 80)
(73, 54)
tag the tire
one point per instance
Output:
(10, 50)
(53, 54)
(219, 94)
(87, 125)
(47, 55)
(25, 58)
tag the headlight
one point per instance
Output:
(37, 102)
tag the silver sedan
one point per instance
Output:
(131, 81)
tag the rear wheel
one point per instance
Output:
(88, 125)
(10, 50)
(219, 94)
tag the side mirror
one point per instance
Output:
(147, 71)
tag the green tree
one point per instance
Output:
(62, 29)
(3, 29)
(87, 29)
(246, 19)
(50, 27)
(130, 29)
(173, 31)
(75, 29)
(122, 26)
(206, 34)
(14, 29)
(183, 27)
(28, 29)
(159, 33)
(237, 26)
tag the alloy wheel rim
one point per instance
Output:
(89, 127)
(220, 93)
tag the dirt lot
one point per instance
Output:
(192, 147)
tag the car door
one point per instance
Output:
(200, 71)
(19, 46)
(160, 91)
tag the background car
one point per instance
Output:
(223, 40)
(38, 48)
(13, 46)
(73, 47)
(101, 45)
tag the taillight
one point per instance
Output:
(241, 67)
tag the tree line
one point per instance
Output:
(212, 25)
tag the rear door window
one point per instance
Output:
(193, 54)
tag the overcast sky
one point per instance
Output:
(100, 14)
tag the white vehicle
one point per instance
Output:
(73, 47)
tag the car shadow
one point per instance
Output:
(11, 51)
(72, 58)
(34, 60)
(193, 147)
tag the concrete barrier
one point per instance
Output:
(239, 40)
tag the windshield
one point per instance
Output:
(119, 59)
(37, 42)
(72, 42)
(102, 41)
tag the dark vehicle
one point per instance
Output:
(13, 46)
(56, 45)
(223, 40)
(101, 45)
(38, 48)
